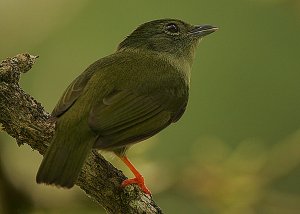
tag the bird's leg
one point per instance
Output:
(139, 179)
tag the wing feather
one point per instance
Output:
(72, 93)
(126, 116)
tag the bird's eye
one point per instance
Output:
(172, 28)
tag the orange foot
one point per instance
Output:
(139, 181)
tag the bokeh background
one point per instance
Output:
(237, 148)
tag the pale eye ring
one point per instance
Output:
(172, 28)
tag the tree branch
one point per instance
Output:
(25, 119)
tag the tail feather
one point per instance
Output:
(63, 161)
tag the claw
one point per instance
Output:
(139, 181)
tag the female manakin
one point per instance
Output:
(123, 99)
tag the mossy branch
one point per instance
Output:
(25, 119)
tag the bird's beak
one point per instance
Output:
(202, 30)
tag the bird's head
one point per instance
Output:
(169, 36)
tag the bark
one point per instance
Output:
(25, 119)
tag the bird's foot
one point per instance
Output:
(139, 181)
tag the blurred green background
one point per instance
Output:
(237, 148)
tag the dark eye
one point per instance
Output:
(172, 28)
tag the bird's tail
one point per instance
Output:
(64, 159)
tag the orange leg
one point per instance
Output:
(139, 180)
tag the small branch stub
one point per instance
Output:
(11, 68)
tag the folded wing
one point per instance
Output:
(125, 117)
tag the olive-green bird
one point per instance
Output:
(123, 98)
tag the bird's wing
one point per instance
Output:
(179, 113)
(72, 93)
(125, 117)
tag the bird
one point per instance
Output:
(122, 99)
